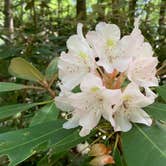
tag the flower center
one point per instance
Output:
(110, 43)
(83, 55)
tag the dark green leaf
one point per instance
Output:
(7, 86)
(10, 110)
(22, 69)
(47, 113)
(145, 146)
(21, 144)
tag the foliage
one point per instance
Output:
(31, 130)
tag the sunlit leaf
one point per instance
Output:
(22, 69)
(52, 69)
(7, 86)
(10, 110)
(145, 146)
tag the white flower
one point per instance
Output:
(93, 102)
(142, 71)
(103, 40)
(62, 101)
(78, 62)
(130, 109)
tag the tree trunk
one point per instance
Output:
(115, 11)
(162, 17)
(8, 21)
(81, 9)
(132, 6)
(101, 12)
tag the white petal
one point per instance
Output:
(90, 82)
(72, 69)
(111, 98)
(121, 63)
(108, 114)
(108, 31)
(71, 123)
(88, 122)
(135, 97)
(96, 42)
(104, 62)
(121, 122)
(146, 50)
(74, 121)
(63, 103)
(78, 44)
(140, 116)
(150, 94)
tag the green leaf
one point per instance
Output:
(52, 69)
(21, 144)
(157, 111)
(47, 113)
(10, 110)
(68, 142)
(119, 160)
(7, 86)
(145, 146)
(22, 69)
(162, 92)
(6, 52)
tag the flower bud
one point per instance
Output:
(102, 160)
(99, 149)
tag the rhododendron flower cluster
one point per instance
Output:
(114, 74)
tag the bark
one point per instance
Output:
(81, 9)
(101, 12)
(162, 18)
(8, 20)
(115, 11)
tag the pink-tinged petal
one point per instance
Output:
(91, 82)
(142, 71)
(138, 115)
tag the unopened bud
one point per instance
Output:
(99, 149)
(102, 160)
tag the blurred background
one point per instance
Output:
(37, 30)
